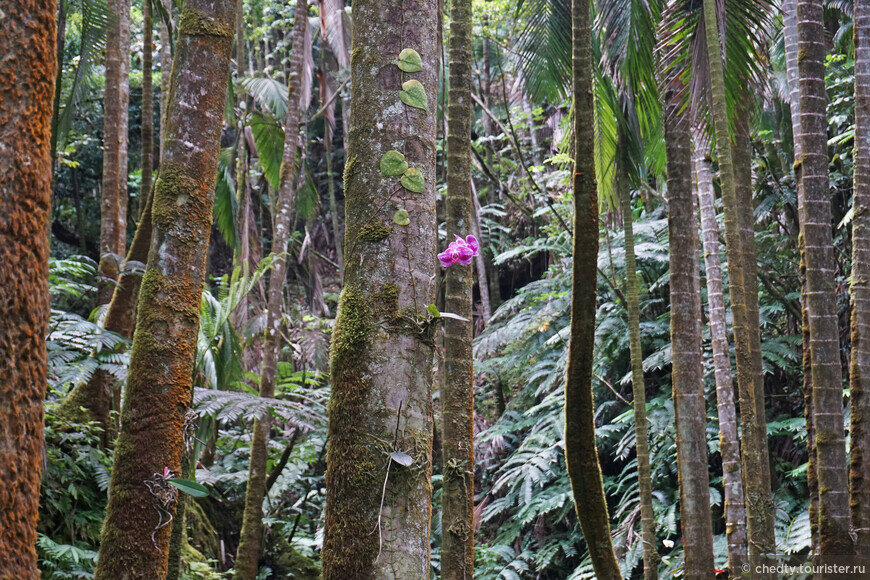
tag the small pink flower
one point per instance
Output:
(459, 251)
(166, 473)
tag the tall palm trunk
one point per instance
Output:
(113, 208)
(147, 105)
(248, 554)
(759, 501)
(581, 454)
(27, 42)
(687, 370)
(135, 539)
(814, 210)
(382, 346)
(638, 386)
(729, 447)
(859, 379)
(789, 33)
(165, 74)
(457, 399)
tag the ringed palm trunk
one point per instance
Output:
(457, 407)
(638, 387)
(581, 455)
(789, 33)
(135, 537)
(113, 207)
(729, 446)
(759, 501)
(859, 379)
(251, 537)
(378, 511)
(687, 369)
(27, 41)
(814, 210)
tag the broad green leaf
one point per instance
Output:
(393, 164)
(409, 61)
(413, 180)
(413, 94)
(433, 310)
(401, 217)
(402, 459)
(191, 488)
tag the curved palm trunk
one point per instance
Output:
(27, 41)
(581, 454)
(134, 544)
(859, 379)
(759, 501)
(686, 361)
(113, 207)
(814, 209)
(382, 348)
(251, 537)
(457, 407)
(732, 482)
(638, 387)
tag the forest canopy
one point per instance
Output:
(495, 289)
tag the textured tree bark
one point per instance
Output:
(58, 81)
(859, 378)
(165, 74)
(729, 446)
(27, 41)
(147, 105)
(758, 498)
(789, 33)
(814, 210)
(113, 207)
(687, 368)
(382, 344)
(251, 536)
(581, 454)
(134, 544)
(638, 388)
(457, 399)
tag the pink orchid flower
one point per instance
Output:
(459, 251)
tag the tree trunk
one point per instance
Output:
(729, 446)
(814, 210)
(759, 501)
(479, 260)
(27, 41)
(113, 208)
(147, 106)
(165, 74)
(337, 231)
(581, 454)
(687, 369)
(134, 543)
(251, 536)
(58, 80)
(638, 386)
(457, 398)
(378, 510)
(859, 379)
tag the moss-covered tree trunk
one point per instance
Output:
(581, 454)
(27, 43)
(135, 539)
(457, 398)
(113, 207)
(251, 537)
(729, 445)
(756, 479)
(687, 377)
(378, 509)
(859, 378)
(638, 386)
(814, 210)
